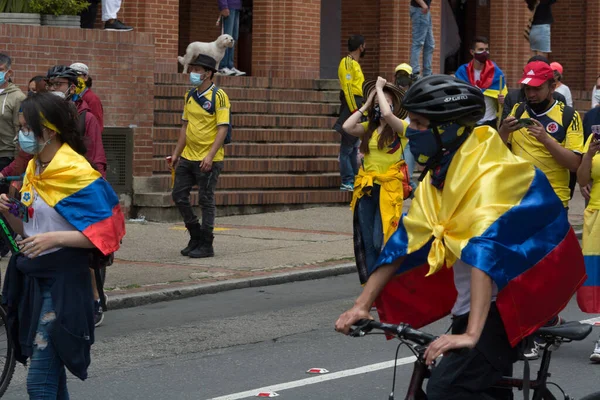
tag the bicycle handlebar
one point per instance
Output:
(8, 179)
(402, 331)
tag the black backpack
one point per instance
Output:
(211, 109)
(567, 119)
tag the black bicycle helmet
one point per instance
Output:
(62, 71)
(443, 98)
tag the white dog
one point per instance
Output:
(214, 49)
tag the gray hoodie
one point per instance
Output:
(10, 104)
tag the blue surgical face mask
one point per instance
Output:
(2, 78)
(196, 79)
(29, 143)
(423, 143)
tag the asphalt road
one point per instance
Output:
(221, 346)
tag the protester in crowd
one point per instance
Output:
(37, 84)
(351, 96)
(110, 9)
(588, 172)
(483, 73)
(230, 16)
(518, 95)
(47, 291)
(561, 87)
(84, 91)
(422, 36)
(404, 80)
(382, 181)
(549, 135)
(63, 82)
(539, 36)
(591, 124)
(596, 93)
(199, 154)
(485, 239)
(10, 102)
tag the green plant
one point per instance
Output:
(14, 6)
(57, 7)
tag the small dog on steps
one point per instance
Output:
(214, 49)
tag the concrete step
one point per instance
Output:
(275, 135)
(262, 150)
(275, 165)
(250, 197)
(258, 107)
(252, 82)
(258, 94)
(256, 120)
(234, 181)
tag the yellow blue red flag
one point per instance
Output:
(497, 213)
(80, 195)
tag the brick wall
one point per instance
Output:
(361, 17)
(197, 22)
(159, 17)
(285, 38)
(568, 39)
(120, 64)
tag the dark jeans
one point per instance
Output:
(231, 26)
(88, 16)
(47, 378)
(371, 229)
(188, 174)
(470, 374)
(348, 158)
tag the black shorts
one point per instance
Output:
(466, 374)
(345, 111)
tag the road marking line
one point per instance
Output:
(317, 379)
(338, 375)
(183, 228)
(591, 321)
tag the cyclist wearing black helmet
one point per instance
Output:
(486, 221)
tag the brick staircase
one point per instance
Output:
(283, 155)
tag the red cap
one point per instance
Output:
(536, 73)
(556, 67)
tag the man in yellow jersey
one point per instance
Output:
(351, 96)
(198, 155)
(536, 130)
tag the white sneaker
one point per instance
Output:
(595, 357)
(226, 72)
(237, 72)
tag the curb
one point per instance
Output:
(182, 292)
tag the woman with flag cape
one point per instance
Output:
(382, 182)
(69, 210)
(589, 172)
(483, 230)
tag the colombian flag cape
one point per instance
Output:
(497, 213)
(588, 296)
(489, 82)
(80, 195)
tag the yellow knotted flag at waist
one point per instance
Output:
(391, 196)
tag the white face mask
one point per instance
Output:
(59, 94)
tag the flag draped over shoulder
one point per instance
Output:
(489, 81)
(80, 195)
(497, 213)
(588, 296)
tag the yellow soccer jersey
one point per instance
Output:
(528, 147)
(351, 80)
(380, 160)
(202, 126)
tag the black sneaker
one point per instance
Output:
(116, 25)
(98, 313)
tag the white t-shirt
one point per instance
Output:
(491, 105)
(565, 91)
(462, 282)
(45, 219)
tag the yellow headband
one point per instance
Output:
(48, 124)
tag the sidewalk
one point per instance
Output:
(250, 250)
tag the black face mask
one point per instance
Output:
(403, 81)
(362, 53)
(540, 107)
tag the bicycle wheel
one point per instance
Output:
(593, 396)
(7, 354)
